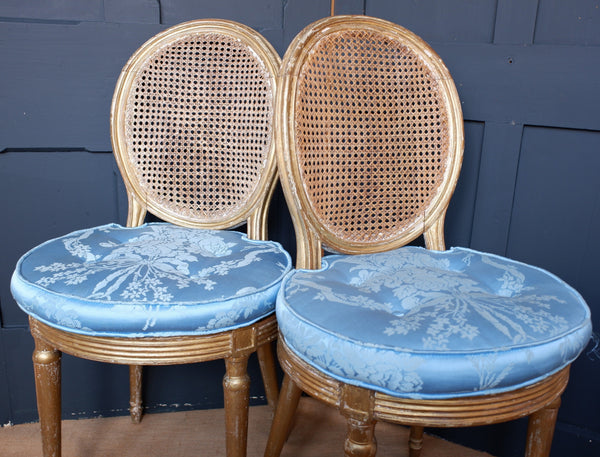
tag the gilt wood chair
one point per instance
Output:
(370, 139)
(191, 126)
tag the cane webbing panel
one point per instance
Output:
(371, 132)
(198, 126)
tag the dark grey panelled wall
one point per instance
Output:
(528, 74)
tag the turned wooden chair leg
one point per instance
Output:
(415, 441)
(541, 430)
(269, 375)
(135, 393)
(46, 365)
(356, 404)
(284, 417)
(236, 386)
(360, 438)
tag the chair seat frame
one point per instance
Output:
(363, 407)
(233, 346)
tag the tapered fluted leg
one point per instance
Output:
(135, 393)
(269, 374)
(46, 365)
(541, 430)
(415, 441)
(236, 386)
(284, 416)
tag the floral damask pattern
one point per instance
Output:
(138, 269)
(413, 313)
(148, 274)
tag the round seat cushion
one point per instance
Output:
(153, 280)
(416, 323)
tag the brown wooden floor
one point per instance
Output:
(319, 431)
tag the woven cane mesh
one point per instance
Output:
(198, 126)
(371, 135)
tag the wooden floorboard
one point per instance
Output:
(319, 431)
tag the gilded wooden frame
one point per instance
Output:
(363, 407)
(309, 233)
(233, 346)
(255, 211)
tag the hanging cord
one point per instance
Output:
(332, 7)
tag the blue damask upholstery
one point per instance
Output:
(157, 279)
(440, 324)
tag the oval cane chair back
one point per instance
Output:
(192, 131)
(192, 119)
(370, 142)
(371, 135)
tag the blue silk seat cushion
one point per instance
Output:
(154, 280)
(416, 323)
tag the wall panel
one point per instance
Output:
(48, 194)
(459, 220)
(61, 79)
(536, 85)
(465, 21)
(259, 14)
(298, 14)
(18, 347)
(573, 22)
(556, 200)
(6, 416)
(132, 11)
(43, 10)
(495, 188)
(554, 225)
